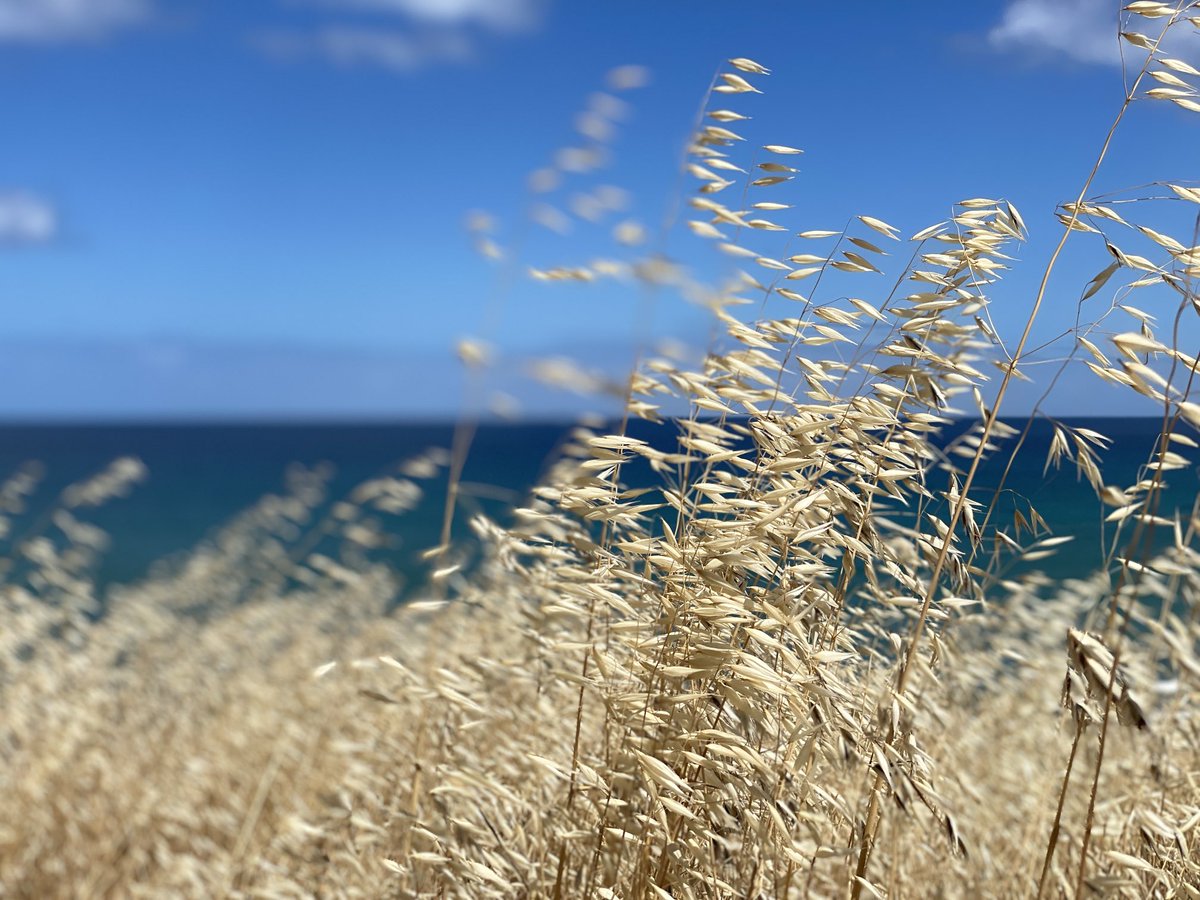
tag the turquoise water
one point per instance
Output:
(201, 475)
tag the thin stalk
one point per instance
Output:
(1062, 799)
(873, 812)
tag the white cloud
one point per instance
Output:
(402, 35)
(26, 219)
(498, 14)
(352, 45)
(1083, 30)
(49, 21)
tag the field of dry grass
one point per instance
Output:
(793, 667)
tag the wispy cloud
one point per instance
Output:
(54, 21)
(353, 45)
(26, 218)
(1082, 30)
(501, 15)
(402, 35)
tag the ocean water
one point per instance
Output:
(200, 475)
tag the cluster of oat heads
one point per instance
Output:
(704, 659)
(774, 649)
(776, 556)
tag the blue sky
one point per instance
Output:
(221, 207)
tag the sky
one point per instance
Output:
(221, 208)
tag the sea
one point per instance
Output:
(203, 474)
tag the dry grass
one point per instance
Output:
(792, 667)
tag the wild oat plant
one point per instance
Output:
(783, 657)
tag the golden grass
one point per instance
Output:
(791, 667)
